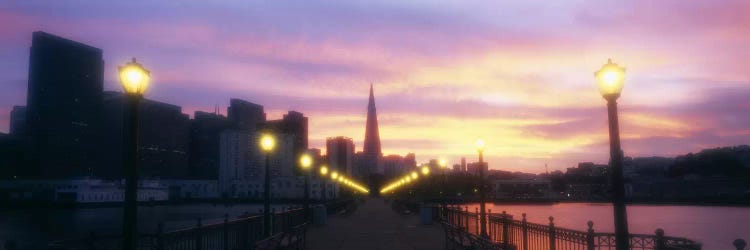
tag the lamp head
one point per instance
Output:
(425, 170)
(323, 170)
(480, 145)
(443, 163)
(305, 161)
(134, 78)
(610, 79)
(267, 142)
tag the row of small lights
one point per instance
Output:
(408, 178)
(306, 162)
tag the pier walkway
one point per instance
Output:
(375, 226)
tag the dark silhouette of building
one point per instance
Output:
(372, 152)
(246, 115)
(63, 106)
(18, 121)
(340, 153)
(463, 164)
(205, 130)
(294, 124)
(13, 157)
(162, 141)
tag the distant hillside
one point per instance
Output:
(733, 162)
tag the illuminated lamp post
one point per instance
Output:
(134, 79)
(267, 143)
(610, 79)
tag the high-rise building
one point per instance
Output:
(395, 165)
(372, 151)
(63, 106)
(293, 124)
(18, 121)
(340, 153)
(473, 168)
(205, 129)
(246, 115)
(456, 168)
(163, 138)
(239, 160)
(463, 164)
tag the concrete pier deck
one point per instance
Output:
(375, 226)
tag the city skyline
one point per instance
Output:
(532, 100)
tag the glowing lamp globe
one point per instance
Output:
(610, 79)
(480, 144)
(425, 170)
(323, 170)
(305, 161)
(443, 163)
(267, 142)
(134, 78)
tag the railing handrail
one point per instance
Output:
(503, 222)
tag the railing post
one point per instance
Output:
(590, 236)
(739, 244)
(476, 216)
(552, 233)
(659, 241)
(198, 236)
(525, 232)
(159, 236)
(226, 231)
(491, 232)
(505, 221)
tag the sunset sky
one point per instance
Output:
(519, 75)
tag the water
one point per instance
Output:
(714, 226)
(33, 229)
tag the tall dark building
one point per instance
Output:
(295, 124)
(372, 152)
(18, 121)
(205, 142)
(340, 153)
(63, 106)
(246, 115)
(162, 141)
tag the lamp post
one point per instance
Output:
(323, 173)
(305, 161)
(610, 79)
(267, 143)
(482, 213)
(134, 79)
(443, 164)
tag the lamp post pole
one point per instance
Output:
(610, 79)
(618, 183)
(134, 79)
(130, 211)
(482, 215)
(267, 198)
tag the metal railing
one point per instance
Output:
(506, 233)
(241, 233)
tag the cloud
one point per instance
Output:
(518, 74)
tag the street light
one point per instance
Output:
(610, 79)
(443, 164)
(324, 172)
(482, 213)
(134, 79)
(267, 143)
(305, 161)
